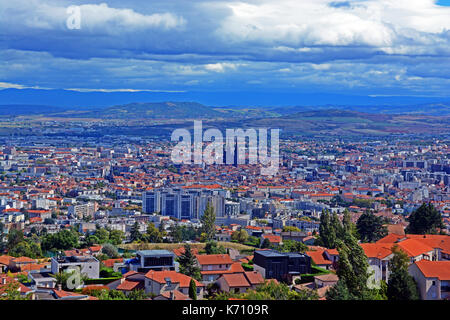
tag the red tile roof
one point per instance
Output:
(179, 251)
(130, 285)
(435, 269)
(272, 238)
(5, 260)
(177, 295)
(236, 280)
(254, 277)
(414, 247)
(377, 250)
(318, 257)
(175, 277)
(110, 262)
(213, 259)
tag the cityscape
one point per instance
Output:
(253, 185)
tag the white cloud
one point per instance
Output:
(221, 67)
(99, 18)
(391, 25)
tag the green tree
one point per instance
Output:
(102, 235)
(271, 290)
(135, 234)
(240, 236)
(348, 226)
(11, 292)
(153, 235)
(293, 246)
(291, 229)
(91, 240)
(137, 295)
(14, 238)
(192, 290)
(188, 264)
(337, 226)
(353, 272)
(370, 227)
(63, 240)
(425, 220)
(208, 221)
(327, 234)
(266, 244)
(110, 250)
(116, 237)
(212, 247)
(340, 292)
(176, 232)
(26, 249)
(112, 295)
(401, 285)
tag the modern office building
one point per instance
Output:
(183, 203)
(232, 208)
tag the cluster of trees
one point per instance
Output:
(153, 234)
(19, 246)
(371, 228)
(212, 247)
(331, 229)
(354, 274)
(401, 284)
(102, 236)
(240, 236)
(368, 228)
(62, 240)
(425, 220)
(356, 278)
(103, 294)
(184, 233)
(293, 246)
(270, 290)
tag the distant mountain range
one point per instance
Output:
(323, 120)
(194, 110)
(250, 99)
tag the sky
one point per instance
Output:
(373, 48)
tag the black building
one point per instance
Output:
(281, 266)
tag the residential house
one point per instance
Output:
(87, 265)
(274, 240)
(432, 278)
(147, 260)
(158, 282)
(41, 279)
(212, 266)
(319, 259)
(281, 266)
(5, 262)
(129, 282)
